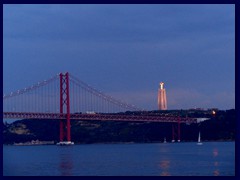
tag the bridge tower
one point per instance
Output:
(65, 126)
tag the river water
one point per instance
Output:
(156, 159)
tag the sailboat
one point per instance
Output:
(199, 139)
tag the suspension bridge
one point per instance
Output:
(65, 97)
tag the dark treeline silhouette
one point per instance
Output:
(220, 127)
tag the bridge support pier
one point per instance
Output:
(173, 133)
(176, 127)
(65, 126)
(179, 134)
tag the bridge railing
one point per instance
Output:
(101, 117)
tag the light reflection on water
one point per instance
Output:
(164, 160)
(170, 159)
(66, 164)
(215, 154)
(164, 165)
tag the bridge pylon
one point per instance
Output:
(65, 126)
(178, 129)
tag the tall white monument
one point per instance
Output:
(162, 99)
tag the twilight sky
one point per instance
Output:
(126, 50)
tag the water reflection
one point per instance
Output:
(164, 165)
(215, 154)
(66, 164)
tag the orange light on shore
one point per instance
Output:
(213, 112)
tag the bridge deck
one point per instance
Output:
(101, 117)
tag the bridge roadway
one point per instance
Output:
(101, 117)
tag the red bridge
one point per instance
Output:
(52, 99)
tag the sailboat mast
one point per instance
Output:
(199, 137)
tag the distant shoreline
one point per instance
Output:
(158, 142)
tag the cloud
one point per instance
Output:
(178, 99)
(146, 99)
(192, 98)
(126, 49)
